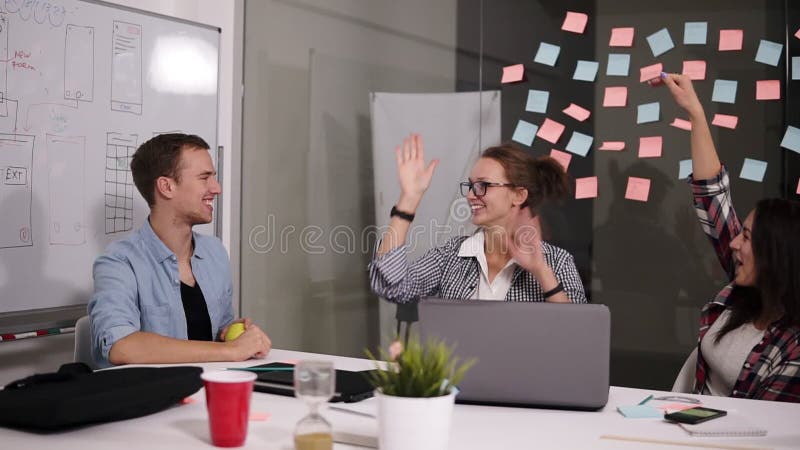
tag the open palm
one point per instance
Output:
(414, 175)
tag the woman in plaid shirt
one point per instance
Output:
(505, 259)
(749, 343)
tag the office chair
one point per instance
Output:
(407, 313)
(83, 342)
(684, 382)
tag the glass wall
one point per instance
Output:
(311, 65)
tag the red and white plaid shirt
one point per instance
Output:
(772, 369)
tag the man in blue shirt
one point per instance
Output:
(164, 293)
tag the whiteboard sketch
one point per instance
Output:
(66, 159)
(16, 160)
(3, 65)
(126, 68)
(79, 63)
(119, 182)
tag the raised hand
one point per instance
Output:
(414, 176)
(525, 242)
(680, 86)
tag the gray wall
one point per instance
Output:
(307, 174)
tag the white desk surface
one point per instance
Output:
(474, 427)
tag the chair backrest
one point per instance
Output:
(684, 382)
(83, 342)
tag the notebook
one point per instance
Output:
(529, 354)
(350, 386)
(730, 425)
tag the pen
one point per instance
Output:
(647, 399)
(263, 369)
(358, 413)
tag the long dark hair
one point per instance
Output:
(776, 253)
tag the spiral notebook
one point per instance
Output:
(730, 425)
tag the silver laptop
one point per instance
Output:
(529, 354)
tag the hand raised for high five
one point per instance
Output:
(414, 176)
(525, 242)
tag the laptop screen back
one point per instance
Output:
(536, 354)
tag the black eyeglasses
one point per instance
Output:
(479, 187)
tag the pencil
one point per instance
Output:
(647, 399)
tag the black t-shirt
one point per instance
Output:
(198, 322)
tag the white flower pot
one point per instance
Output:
(406, 423)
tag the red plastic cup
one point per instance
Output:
(228, 401)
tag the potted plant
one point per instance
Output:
(416, 394)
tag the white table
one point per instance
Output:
(474, 427)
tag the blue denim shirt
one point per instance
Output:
(137, 287)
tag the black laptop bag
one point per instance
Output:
(76, 396)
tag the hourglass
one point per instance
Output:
(314, 383)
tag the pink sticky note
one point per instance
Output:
(621, 37)
(577, 113)
(650, 147)
(650, 72)
(615, 96)
(695, 70)
(256, 416)
(797, 35)
(723, 120)
(575, 22)
(513, 73)
(188, 401)
(638, 189)
(798, 181)
(682, 124)
(730, 40)
(290, 361)
(550, 131)
(768, 90)
(563, 158)
(613, 146)
(586, 187)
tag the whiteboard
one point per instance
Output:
(82, 85)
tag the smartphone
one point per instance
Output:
(695, 415)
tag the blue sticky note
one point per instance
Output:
(769, 52)
(525, 133)
(640, 412)
(660, 42)
(579, 143)
(618, 64)
(796, 67)
(753, 170)
(585, 70)
(537, 101)
(724, 91)
(685, 169)
(791, 140)
(547, 54)
(694, 33)
(648, 112)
